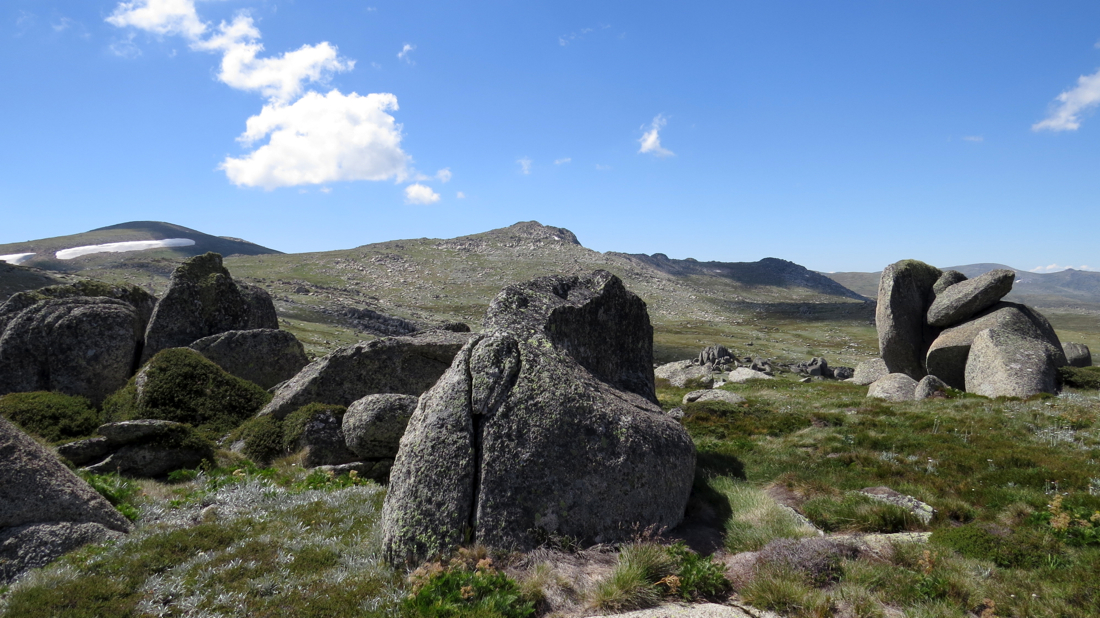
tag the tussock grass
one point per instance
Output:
(755, 518)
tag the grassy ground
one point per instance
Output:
(1014, 483)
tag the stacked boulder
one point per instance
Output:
(45, 509)
(546, 425)
(938, 329)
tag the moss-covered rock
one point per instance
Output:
(180, 385)
(52, 416)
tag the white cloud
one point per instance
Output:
(561, 161)
(460, 195)
(602, 168)
(973, 138)
(326, 189)
(524, 165)
(163, 17)
(444, 175)
(404, 53)
(1067, 115)
(125, 48)
(321, 138)
(651, 140)
(420, 194)
(1053, 268)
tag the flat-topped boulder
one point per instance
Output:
(202, 300)
(45, 509)
(967, 298)
(407, 365)
(263, 356)
(546, 425)
(83, 346)
(904, 295)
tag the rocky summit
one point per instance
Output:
(544, 426)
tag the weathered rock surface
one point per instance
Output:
(323, 441)
(929, 386)
(1003, 363)
(920, 510)
(870, 371)
(946, 280)
(545, 425)
(202, 300)
(968, 298)
(679, 372)
(149, 460)
(404, 365)
(1077, 354)
(128, 432)
(142, 301)
(843, 373)
(894, 387)
(263, 356)
(77, 346)
(35, 489)
(146, 448)
(713, 395)
(948, 353)
(904, 294)
(744, 374)
(373, 425)
(87, 451)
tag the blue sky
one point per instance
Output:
(842, 136)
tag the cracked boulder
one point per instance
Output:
(546, 426)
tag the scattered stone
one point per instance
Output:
(968, 298)
(38, 495)
(547, 424)
(406, 365)
(949, 352)
(744, 374)
(1077, 354)
(676, 413)
(904, 294)
(894, 387)
(679, 372)
(78, 346)
(930, 386)
(817, 367)
(870, 371)
(806, 380)
(263, 356)
(843, 373)
(921, 510)
(373, 425)
(1003, 363)
(713, 395)
(202, 300)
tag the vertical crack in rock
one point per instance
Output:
(491, 373)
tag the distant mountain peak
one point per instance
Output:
(528, 231)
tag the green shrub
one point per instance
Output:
(854, 512)
(1024, 548)
(181, 385)
(119, 491)
(1080, 377)
(700, 577)
(465, 585)
(52, 416)
(295, 422)
(263, 439)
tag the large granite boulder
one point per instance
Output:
(202, 300)
(893, 387)
(546, 425)
(143, 302)
(146, 448)
(949, 352)
(406, 365)
(263, 356)
(679, 373)
(373, 425)
(1003, 363)
(1077, 354)
(967, 298)
(82, 346)
(45, 509)
(904, 295)
(869, 371)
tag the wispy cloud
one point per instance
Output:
(460, 195)
(602, 168)
(566, 39)
(312, 138)
(420, 194)
(444, 175)
(24, 22)
(125, 48)
(973, 138)
(524, 165)
(1053, 268)
(651, 140)
(404, 53)
(1066, 116)
(562, 161)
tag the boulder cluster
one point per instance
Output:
(939, 329)
(716, 365)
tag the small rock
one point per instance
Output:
(1077, 354)
(713, 395)
(930, 386)
(894, 387)
(922, 511)
(870, 371)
